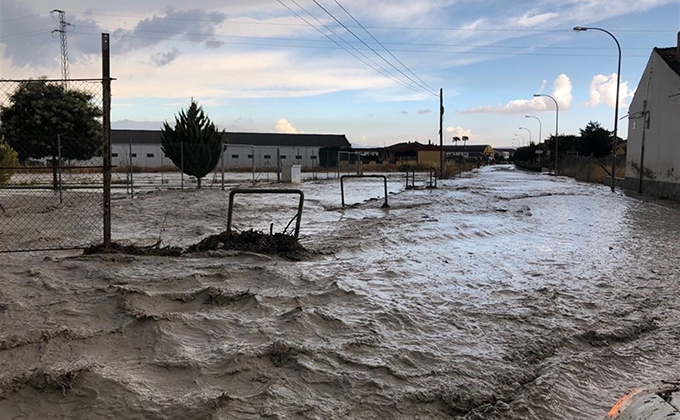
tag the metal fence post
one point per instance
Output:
(253, 163)
(61, 192)
(181, 164)
(162, 164)
(132, 179)
(222, 164)
(278, 164)
(106, 135)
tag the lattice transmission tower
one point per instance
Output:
(63, 25)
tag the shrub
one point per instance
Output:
(8, 158)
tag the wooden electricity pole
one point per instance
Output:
(441, 133)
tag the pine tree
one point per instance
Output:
(194, 143)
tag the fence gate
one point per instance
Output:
(51, 164)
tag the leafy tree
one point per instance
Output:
(9, 158)
(194, 144)
(526, 153)
(39, 111)
(566, 144)
(595, 140)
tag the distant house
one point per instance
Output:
(430, 154)
(415, 153)
(143, 148)
(503, 153)
(475, 151)
(653, 148)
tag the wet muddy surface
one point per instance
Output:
(500, 295)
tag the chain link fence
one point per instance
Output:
(51, 164)
(140, 166)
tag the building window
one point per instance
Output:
(133, 154)
(283, 157)
(250, 156)
(298, 157)
(149, 155)
(267, 156)
(114, 154)
(234, 156)
(312, 157)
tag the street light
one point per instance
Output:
(524, 128)
(557, 120)
(540, 127)
(616, 105)
(523, 139)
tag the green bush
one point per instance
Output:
(8, 158)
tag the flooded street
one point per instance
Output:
(499, 295)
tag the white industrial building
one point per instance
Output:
(653, 150)
(241, 150)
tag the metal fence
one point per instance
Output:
(51, 164)
(139, 166)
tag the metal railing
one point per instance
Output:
(342, 186)
(298, 216)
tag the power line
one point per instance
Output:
(392, 75)
(21, 17)
(379, 69)
(415, 28)
(414, 44)
(374, 51)
(327, 47)
(379, 43)
(315, 47)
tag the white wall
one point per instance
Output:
(235, 156)
(662, 137)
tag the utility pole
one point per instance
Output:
(64, 47)
(441, 133)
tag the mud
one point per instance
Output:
(501, 295)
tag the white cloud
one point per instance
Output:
(528, 21)
(284, 126)
(459, 131)
(424, 111)
(603, 90)
(561, 92)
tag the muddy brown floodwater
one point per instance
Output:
(501, 295)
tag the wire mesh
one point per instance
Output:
(51, 164)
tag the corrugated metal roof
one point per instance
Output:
(255, 139)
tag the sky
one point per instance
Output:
(371, 70)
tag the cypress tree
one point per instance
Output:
(196, 138)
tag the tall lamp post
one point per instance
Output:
(616, 105)
(524, 128)
(557, 120)
(523, 139)
(540, 127)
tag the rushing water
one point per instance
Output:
(501, 295)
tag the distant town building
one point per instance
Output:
(653, 148)
(415, 153)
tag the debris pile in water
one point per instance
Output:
(280, 244)
(117, 248)
(254, 241)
